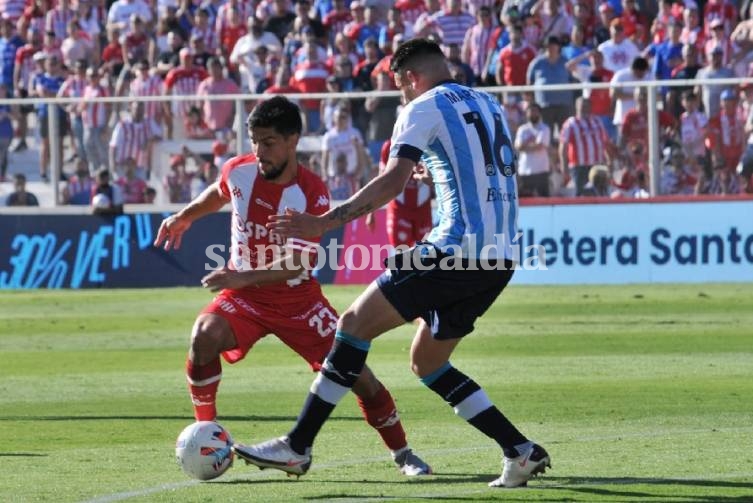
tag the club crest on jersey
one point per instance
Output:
(237, 193)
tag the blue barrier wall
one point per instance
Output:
(604, 243)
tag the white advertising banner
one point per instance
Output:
(637, 242)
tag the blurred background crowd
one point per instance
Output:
(570, 143)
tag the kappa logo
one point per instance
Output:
(237, 193)
(263, 203)
(322, 201)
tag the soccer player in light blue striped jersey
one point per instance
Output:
(446, 282)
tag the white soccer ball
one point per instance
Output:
(203, 450)
(101, 201)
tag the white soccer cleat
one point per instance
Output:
(411, 465)
(516, 472)
(275, 453)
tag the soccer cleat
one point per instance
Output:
(516, 472)
(411, 465)
(275, 453)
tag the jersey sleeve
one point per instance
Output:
(224, 174)
(414, 129)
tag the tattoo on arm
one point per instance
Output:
(345, 213)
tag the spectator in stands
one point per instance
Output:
(459, 69)
(711, 93)
(394, 26)
(635, 23)
(554, 19)
(584, 143)
(75, 45)
(6, 131)
(382, 113)
(131, 185)
(183, 81)
(676, 175)
(20, 197)
(598, 182)
(619, 52)
(514, 59)
(693, 127)
(549, 68)
(244, 52)
(73, 87)
(310, 76)
(228, 11)
(453, 22)
(10, 42)
(57, 19)
(686, 70)
(33, 16)
(203, 30)
(218, 115)
(88, 17)
(149, 195)
(475, 48)
(594, 71)
(667, 54)
(112, 55)
(144, 84)
(178, 181)
(120, 12)
(135, 43)
(95, 117)
(170, 57)
(722, 181)
(78, 188)
(426, 23)
(231, 31)
(532, 141)
(576, 45)
(635, 126)
(199, 53)
(346, 140)
(303, 21)
(280, 21)
(623, 96)
(726, 133)
(341, 184)
(106, 198)
(23, 83)
(330, 105)
(411, 10)
(602, 30)
(195, 126)
(47, 85)
(132, 138)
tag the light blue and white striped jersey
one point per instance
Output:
(461, 136)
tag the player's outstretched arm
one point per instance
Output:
(173, 227)
(379, 191)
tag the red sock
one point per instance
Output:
(380, 412)
(203, 381)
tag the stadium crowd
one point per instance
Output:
(582, 143)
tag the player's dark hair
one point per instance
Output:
(640, 64)
(278, 113)
(414, 51)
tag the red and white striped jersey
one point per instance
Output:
(335, 22)
(586, 140)
(410, 9)
(183, 81)
(452, 27)
(150, 86)
(130, 140)
(476, 46)
(57, 20)
(24, 59)
(95, 114)
(416, 196)
(73, 87)
(245, 9)
(254, 199)
(208, 35)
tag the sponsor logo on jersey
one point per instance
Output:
(263, 203)
(237, 193)
(322, 201)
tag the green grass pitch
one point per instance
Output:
(640, 393)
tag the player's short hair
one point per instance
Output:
(414, 51)
(278, 113)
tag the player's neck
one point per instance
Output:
(287, 176)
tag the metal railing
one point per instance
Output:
(654, 156)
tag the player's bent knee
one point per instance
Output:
(367, 384)
(210, 336)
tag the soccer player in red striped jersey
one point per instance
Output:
(409, 214)
(267, 287)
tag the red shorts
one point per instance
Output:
(308, 327)
(407, 227)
